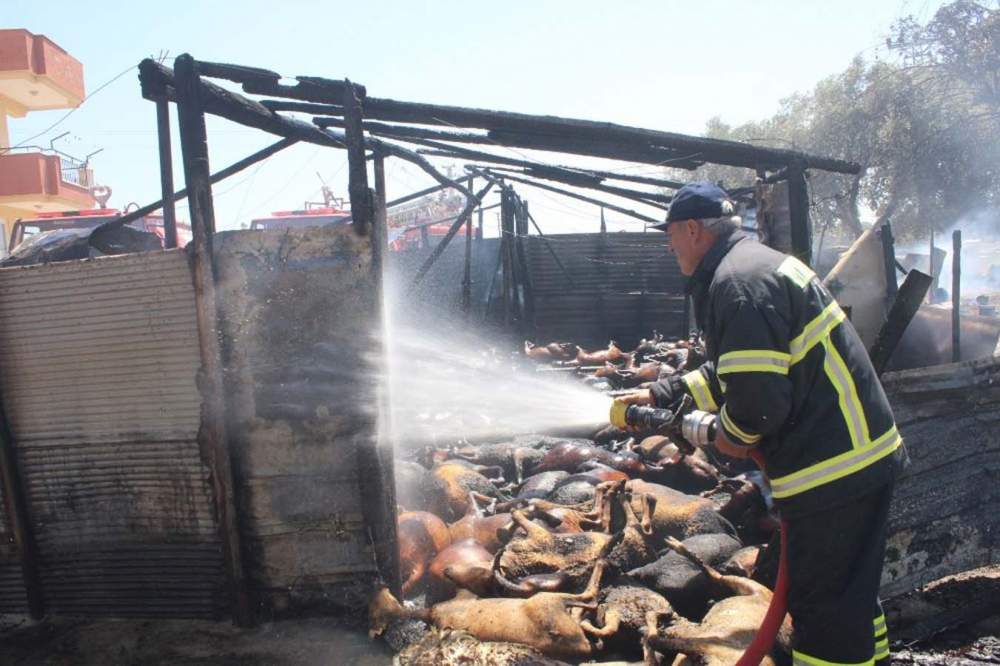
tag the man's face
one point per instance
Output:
(682, 240)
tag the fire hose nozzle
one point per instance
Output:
(695, 426)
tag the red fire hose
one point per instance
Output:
(775, 615)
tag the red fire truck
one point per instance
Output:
(88, 219)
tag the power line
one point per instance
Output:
(69, 113)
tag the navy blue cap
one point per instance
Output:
(697, 201)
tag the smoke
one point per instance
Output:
(980, 258)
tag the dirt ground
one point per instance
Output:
(108, 642)
(952, 622)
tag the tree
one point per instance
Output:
(924, 128)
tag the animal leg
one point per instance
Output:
(612, 622)
(533, 531)
(491, 502)
(593, 587)
(743, 587)
(415, 575)
(648, 509)
(519, 459)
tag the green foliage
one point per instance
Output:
(925, 127)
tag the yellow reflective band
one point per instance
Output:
(728, 424)
(836, 467)
(802, 659)
(882, 644)
(850, 404)
(882, 654)
(700, 391)
(796, 271)
(815, 331)
(879, 625)
(753, 360)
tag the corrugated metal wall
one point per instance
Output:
(12, 599)
(627, 285)
(98, 361)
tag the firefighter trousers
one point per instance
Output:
(834, 567)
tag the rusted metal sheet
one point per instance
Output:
(299, 321)
(99, 361)
(946, 509)
(626, 285)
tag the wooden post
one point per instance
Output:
(904, 307)
(528, 313)
(798, 209)
(18, 519)
(505, 232)
(467, 276)
(479, 227)
(930, 271)
(212, 435)
(166, 174)
(956, 296)
(889, 263)
(362, 206)
(376, 466)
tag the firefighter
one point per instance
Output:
(788, 375)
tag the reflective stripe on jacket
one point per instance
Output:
(788, 373)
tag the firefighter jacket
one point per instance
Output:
(788, 373)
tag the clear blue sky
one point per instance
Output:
(659, 64)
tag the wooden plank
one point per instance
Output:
(574, 195)
(376, 466)
(798, 209)
(230, 170)
(362, 205)
(166, 174)
(956, 295)
(212, 436)
(945, 515)
(904, 306)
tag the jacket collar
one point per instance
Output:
(706, 267)
(699, 282)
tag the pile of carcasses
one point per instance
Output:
(615, 550)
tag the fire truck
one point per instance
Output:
(415, 224)
(88, 219)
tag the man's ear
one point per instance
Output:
(693, 229)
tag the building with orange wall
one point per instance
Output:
(37, 75)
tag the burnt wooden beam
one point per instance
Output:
(440, 247)
(302, 107)
(798, 210)
(654, 199)
(216, 177)
(733, 153)
(362, 205)
(956, 295)
(232, 106)
(19, 520)
(605, 148)
(405, 132)
(166, 174)
(457, 152)
(375, 464)
(237, 73)
(904, 307)
(212, 433)
(574, 195)
(467, 268)
(308, 89)
(704, 149)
